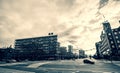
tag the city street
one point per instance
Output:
(61, 66)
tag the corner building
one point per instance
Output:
(110, 41)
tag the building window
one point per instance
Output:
(113, 46)
(115, 33)
(115, 29)
(118, 41)
(119, 46)
(118, 51)
(111, 42)
(109, 33)
(116, 37)
(119, 32)
(110, 38)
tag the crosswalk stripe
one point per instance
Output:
(35, 65)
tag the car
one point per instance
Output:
(86, 61)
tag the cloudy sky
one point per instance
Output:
(76, 22)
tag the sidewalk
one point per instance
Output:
(108, 61)
(116, 63)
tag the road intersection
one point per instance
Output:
(61, 66)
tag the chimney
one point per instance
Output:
(51, 33)
(48, 33)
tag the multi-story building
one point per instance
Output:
(110, 38)
(116, 33)
(63, 52)
(70, 48)
(38, 47)
(81, 54)
(7, 53)
(104, 45)
(110, 41)
(70, 52)
(98, 47)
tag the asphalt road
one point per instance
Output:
(61, 66)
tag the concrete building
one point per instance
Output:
(6, 53)
(70, 54)
(38, 47)
(104, 45)
(81, 54)
(110, 41)
(98, 47)
(63, 52)
(116, 34)
(111, 38)
(70, 48)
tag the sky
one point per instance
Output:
(76, 22)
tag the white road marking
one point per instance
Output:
(10, 64)
(35, 65)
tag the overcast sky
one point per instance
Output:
(76, 22)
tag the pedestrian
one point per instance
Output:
(90, 56)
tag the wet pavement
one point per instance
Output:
(61, 66)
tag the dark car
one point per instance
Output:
(88, 61)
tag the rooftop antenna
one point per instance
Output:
(104, 18)
(102, 15)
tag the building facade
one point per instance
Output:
(62, 52)
(110, 41)
(70, 54)
(70, 48)
(98, 51)
(81, 54)
(116, 33)
(38, 47)
(6, 53)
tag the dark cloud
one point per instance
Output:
(70, 2)
(72, 41)
(116, 17)
(116, 0)
(93, 21)
(86, 29)
(67, 32)
(65, 5)
(95, 29)
(102, 3)
(74, 37)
